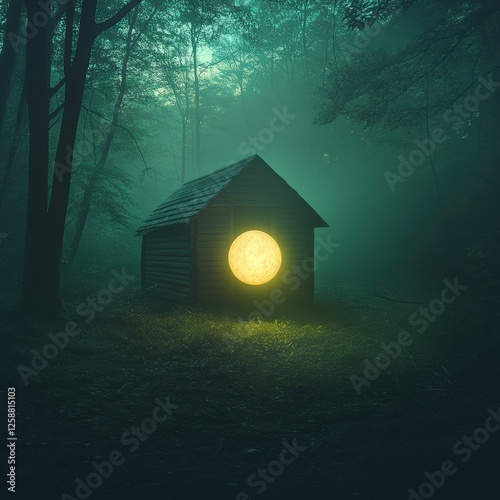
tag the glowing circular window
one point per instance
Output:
(254, 257)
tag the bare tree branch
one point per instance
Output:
(116, 18)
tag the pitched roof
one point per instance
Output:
(185, 203)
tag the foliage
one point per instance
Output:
(390, 85)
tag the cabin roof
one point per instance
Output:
(189, 200)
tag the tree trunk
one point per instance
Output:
(37, 291)
(489, 126)
(86, 202)
(10, 47)
(489, 109)
(182, 102)
(197, 117)
(183, 153)
(304, 44)
(45, 228)
(14, 146)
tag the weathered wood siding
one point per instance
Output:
(213, 232)
(296, 238)
(252, 203)
(189, 262)
(167, 265)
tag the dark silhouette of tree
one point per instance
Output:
(97, 170)
(9, 53)
(389, 86)
(203, 20)
(46, 216)
(14, 146)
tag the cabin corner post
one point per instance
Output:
(194, 261)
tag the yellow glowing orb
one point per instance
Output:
(254, 257)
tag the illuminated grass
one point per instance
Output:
(203, 328)
(245, 387)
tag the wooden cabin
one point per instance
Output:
(185, 241)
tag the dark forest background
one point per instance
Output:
(384, 115)
(106, 109)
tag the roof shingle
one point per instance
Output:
(187, 201)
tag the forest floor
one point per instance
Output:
(239, 391)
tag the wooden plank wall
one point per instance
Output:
(189, 263)
(297, 243)
(167, 262)
(216, 226)
(214, 279)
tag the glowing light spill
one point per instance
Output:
(254, 257)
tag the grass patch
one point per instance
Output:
(244, 387)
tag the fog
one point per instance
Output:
(344, 123)
(383, 115)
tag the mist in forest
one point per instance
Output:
(383, 115)
(352, 91)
